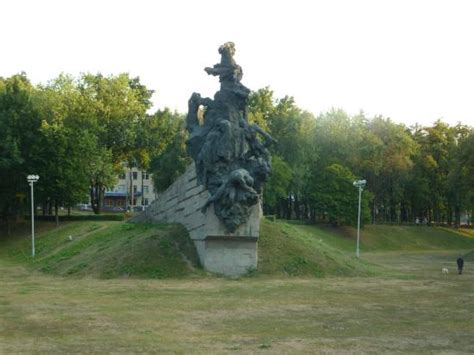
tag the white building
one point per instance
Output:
(133, 191)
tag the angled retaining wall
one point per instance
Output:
(219, 250)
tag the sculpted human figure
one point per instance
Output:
(227, 70)
(238, 179)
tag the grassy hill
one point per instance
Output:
(110, 249)
(300, 250)
(388, 237)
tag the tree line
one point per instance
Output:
(413, 173)
(79, 133)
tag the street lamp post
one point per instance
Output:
(359, 184)
(32, 179)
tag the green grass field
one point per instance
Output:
(125, 288)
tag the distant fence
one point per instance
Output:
(91, 217)
(385, 223)
(432, 224)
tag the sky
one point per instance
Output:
(411, 61)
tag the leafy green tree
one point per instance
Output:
(115, 107)
(117, 104)
(437, 144)
(334, 198)
(261, 106)
(460, 179)
(19, 123)
(466, 166)
(396, 161)
(168, 164)
(58, 155)
(291, 127)
(344, 142)
(276, 189)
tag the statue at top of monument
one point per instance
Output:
(231, 155)
(230, 74)
(227, 70)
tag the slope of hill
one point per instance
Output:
(395, 237)
(111, 249)
(301, 250)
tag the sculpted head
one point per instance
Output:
(227, 50)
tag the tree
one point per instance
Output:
(261, 107)
(18, 126)
(59, 152)
(115, 107)
(387, 182)
(276, 189)
(460, 179)
(343, 148)
(334, 198)
(434, 162)
(466, 161)
(292, 128)
(168, 164)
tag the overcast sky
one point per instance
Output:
(412, 61)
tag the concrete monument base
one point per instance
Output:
(230, 256)
(220, 251)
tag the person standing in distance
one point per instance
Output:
(460, 262)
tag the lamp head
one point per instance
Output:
(32, 178)
(359, 183)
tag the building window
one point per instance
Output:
(122, 176)
(145, 175)
(145, 189)
(121, 188)
(135, 175)
(145, 202)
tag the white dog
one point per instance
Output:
(445, 271)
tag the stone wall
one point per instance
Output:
(219, 250)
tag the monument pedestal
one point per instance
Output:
(230, 256)
(221, 252)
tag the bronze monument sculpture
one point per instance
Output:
(218, 198)
(231, 155)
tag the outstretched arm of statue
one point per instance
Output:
(213, 71)
(220, 69)
(268, 138)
